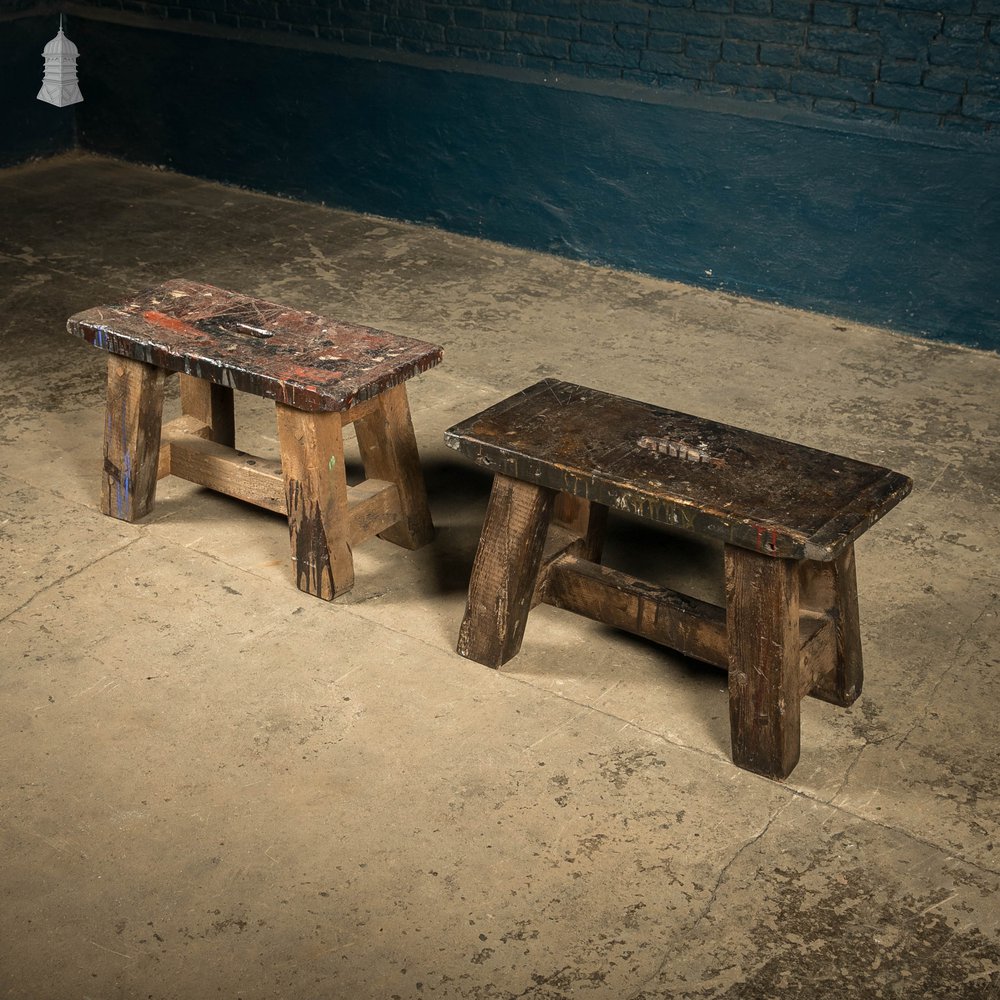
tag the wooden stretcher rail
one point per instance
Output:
(186, 452)
(692, 627)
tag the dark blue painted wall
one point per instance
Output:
(921, 63)
(875, 227)
(29, 127)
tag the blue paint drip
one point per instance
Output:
(125, 480)
(125, 484)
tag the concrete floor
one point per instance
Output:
(213, 785)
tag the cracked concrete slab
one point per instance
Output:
(43, 540)
(214, 784)
(257, 710)
(919, 923)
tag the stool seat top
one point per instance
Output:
(295, 357)
(740, 487)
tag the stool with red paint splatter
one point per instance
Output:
(783, 518)
(322, 375)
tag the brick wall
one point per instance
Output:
(922, 63)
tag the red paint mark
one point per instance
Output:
(770, 544)
(171, 323)
(763, 542)
(304, 374)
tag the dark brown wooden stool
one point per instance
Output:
(787, 515)
(322, 376)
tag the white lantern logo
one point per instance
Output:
(59, 86)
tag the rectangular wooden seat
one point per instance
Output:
(788, 515)
(322, 375)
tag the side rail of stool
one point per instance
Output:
(690, 626)
(187, 451)
(540, 546)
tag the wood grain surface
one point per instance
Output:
(133, 414)
(306, 361)
(762, 635)
(747, 489)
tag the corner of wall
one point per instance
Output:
(29, 128)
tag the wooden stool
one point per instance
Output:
(321, 374)
(787, 515)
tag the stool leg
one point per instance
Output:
(584, 518)
(131, 438)
(831, 588)
(212, 405)
(505, 571)
(312, 464)
(389, 451)
(762, 630)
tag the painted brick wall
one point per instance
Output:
(28, 128)
(922, 63)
